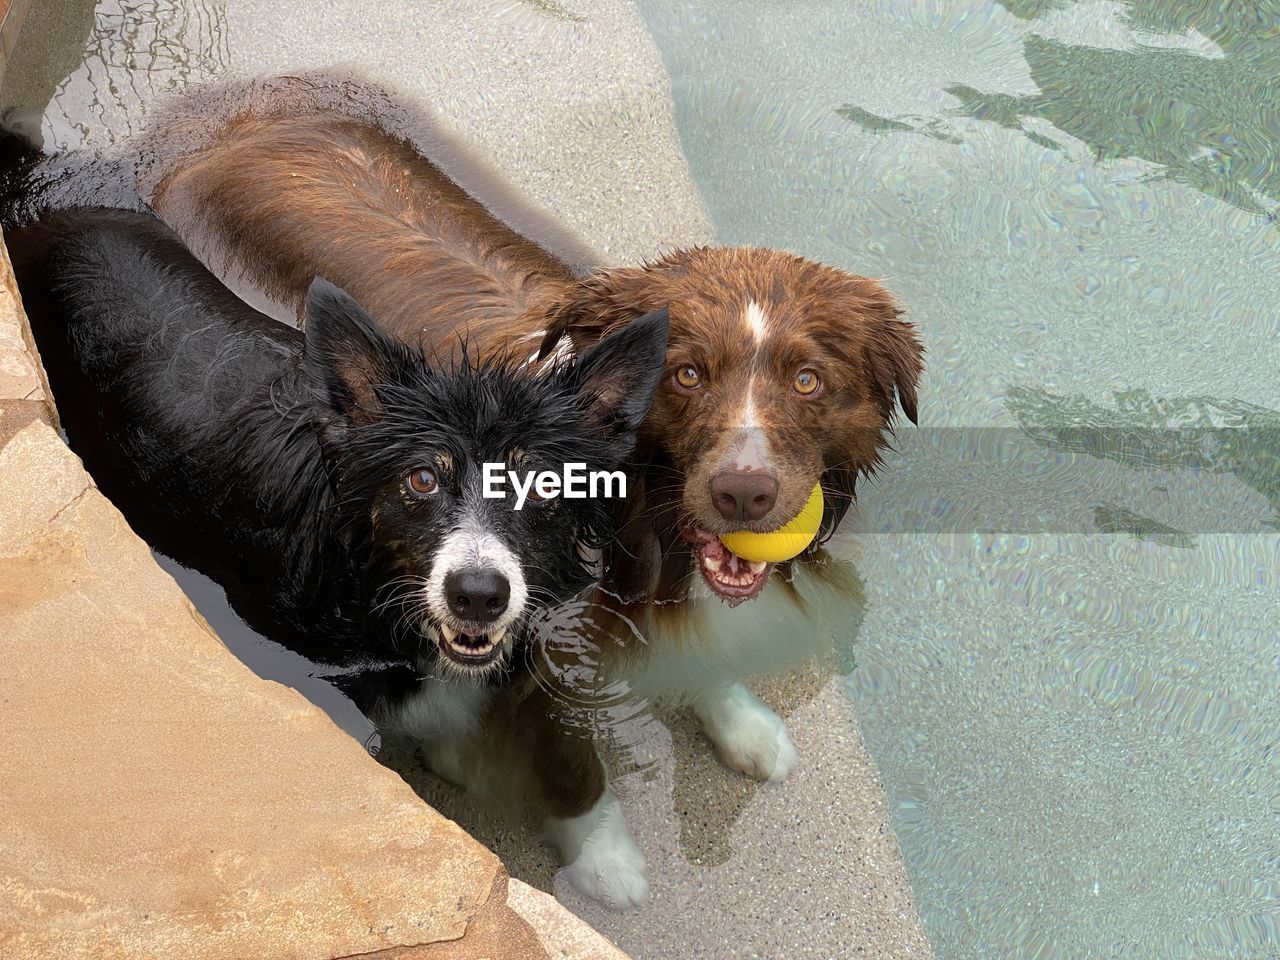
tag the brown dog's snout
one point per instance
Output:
(743, 494)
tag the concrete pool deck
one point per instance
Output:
(571, 104)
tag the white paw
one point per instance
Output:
(749, 737)
(607, 865)
(616, 875)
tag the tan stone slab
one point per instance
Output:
(492, 935)
(563, 935)
(159, 800)
(21, 375)
(16, 414)
(39, 478)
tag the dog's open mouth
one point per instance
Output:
(730, 577)
(469, 647)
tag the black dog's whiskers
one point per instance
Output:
(329, 480)
(411, 604)
(397, 596)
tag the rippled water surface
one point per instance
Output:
(1074, 702)
(1066, 663)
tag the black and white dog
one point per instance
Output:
(331, 482)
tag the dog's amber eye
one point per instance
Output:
(806, 383)
(688, 376)
(423, 482)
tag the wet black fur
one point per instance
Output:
(278, 467)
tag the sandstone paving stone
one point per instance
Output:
(159, 800)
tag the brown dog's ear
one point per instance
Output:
(839, 490)
(596, 306)
(895, 358)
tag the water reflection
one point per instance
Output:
(1031, 9)
(1200, 434)
(84, 70)
(54, 38)
(1113, 518)
(636, 716)
(1211, 122)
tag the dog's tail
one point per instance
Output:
(19, 157)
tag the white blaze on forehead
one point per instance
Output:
(751, 452)
(756, 321)
(749, 419)
(471, 544)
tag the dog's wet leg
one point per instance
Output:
(747, 735)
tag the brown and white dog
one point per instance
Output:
(782, 373)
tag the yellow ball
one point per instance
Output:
(785, 542)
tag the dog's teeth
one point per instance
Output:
(450, 634)
(757, 567)
(496, 637)
(712, 564)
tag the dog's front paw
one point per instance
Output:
(749, 737)
(760, 747)
(612, 872)
(607, 865)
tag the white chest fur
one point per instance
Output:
(444, 714)
(706, 643)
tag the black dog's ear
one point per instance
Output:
(345, 354)
(621, 373)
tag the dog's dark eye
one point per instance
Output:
(688, 377)
(537, 499)
(423, 482)
(806, 383)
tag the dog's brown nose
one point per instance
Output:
(743, 494)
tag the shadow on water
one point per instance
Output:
(83, 63)
(54, 40)
(1031, 9)
(1200, 434)
(1114, 518)
(1211, 122)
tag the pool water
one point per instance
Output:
(1074, 700)
(1066, 665)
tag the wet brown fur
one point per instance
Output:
(284, 198)
(290, 196)
(846, 327)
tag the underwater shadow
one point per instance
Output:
(1211, 123)
(1201, 434)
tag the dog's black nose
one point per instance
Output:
(743, 494)
(477, 594)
